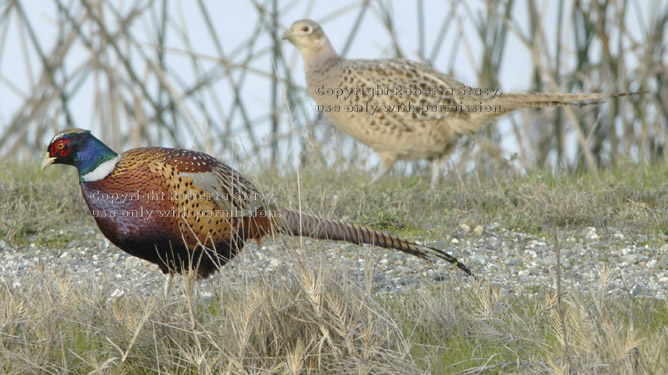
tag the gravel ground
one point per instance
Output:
(516, 262)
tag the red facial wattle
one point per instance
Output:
(61, 147)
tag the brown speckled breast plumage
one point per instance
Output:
(154, 206)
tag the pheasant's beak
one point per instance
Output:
(286, 35)
(47, 160)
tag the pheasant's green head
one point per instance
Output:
(79, 148)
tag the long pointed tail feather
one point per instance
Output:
(300, 224)
(532, 100)
(511, 101)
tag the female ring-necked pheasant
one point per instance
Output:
(185, 210)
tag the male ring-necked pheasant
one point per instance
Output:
(185, 210)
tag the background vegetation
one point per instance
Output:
(157, 72)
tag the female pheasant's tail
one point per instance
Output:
(494, 105)
(534, 100)
(299, 224)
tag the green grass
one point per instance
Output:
(632, 200)
(39, 206)
(316, 320)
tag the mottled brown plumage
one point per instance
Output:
(384, 103)
(183, 209)
(158, 186)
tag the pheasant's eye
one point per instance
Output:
(306, 29)
(61, 147)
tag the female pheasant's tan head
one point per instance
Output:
(311, 41)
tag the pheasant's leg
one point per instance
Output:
(382, 171)
(386, 162)
(436, 163)
(191, 290)
(435, 170)
(168, 285)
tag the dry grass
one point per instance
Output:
(317, 321)
(314, 322)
